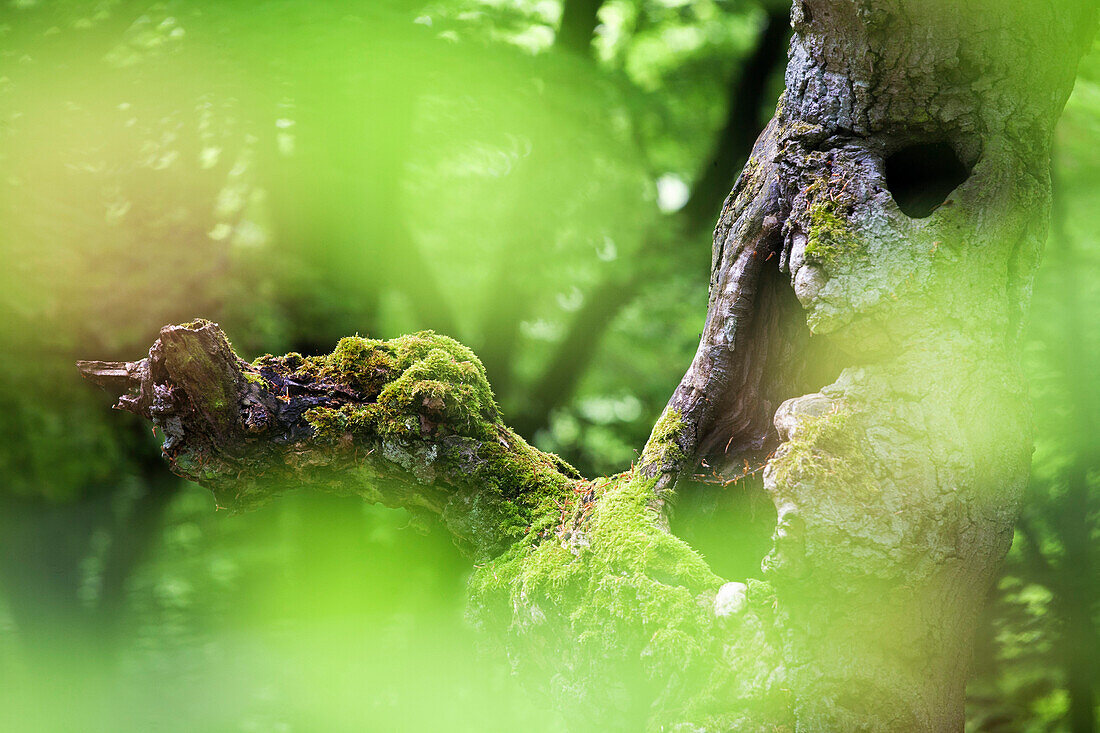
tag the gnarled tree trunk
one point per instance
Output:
(885, 230)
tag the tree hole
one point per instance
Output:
(921, 177)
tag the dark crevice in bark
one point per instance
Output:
(774, 358)
(742, 415)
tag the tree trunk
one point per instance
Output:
(909, 167)
(902, 190)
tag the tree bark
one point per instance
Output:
(897, 485)
(901, 192)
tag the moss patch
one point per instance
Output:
(827, 448)
(633, 598)
(331, 425)
(663, 447)
(419, 384)
(363, 364)
(831, 238)
(442, 385)
(427, 406)
(253, 378)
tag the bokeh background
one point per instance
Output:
(538, 179)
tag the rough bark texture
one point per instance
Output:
(909, 166)
(901, 193)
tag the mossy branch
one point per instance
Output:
(412, 422)
(408, 422)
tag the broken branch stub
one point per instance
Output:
(409, 422)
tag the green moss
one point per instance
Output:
(663, 446)
(363, 364)
(624, 600)
(632, 587)
(507, 467)
(302, 367)
(624, 530)
(623, 535)
(831, 238)
(827, 448)
(427, 406)
(427, 387)
(417, 383)
(330, 425)
(630, 597)
(442, 385)
(255, 379)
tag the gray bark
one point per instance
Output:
(897, 485)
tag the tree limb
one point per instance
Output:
(409, 422)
